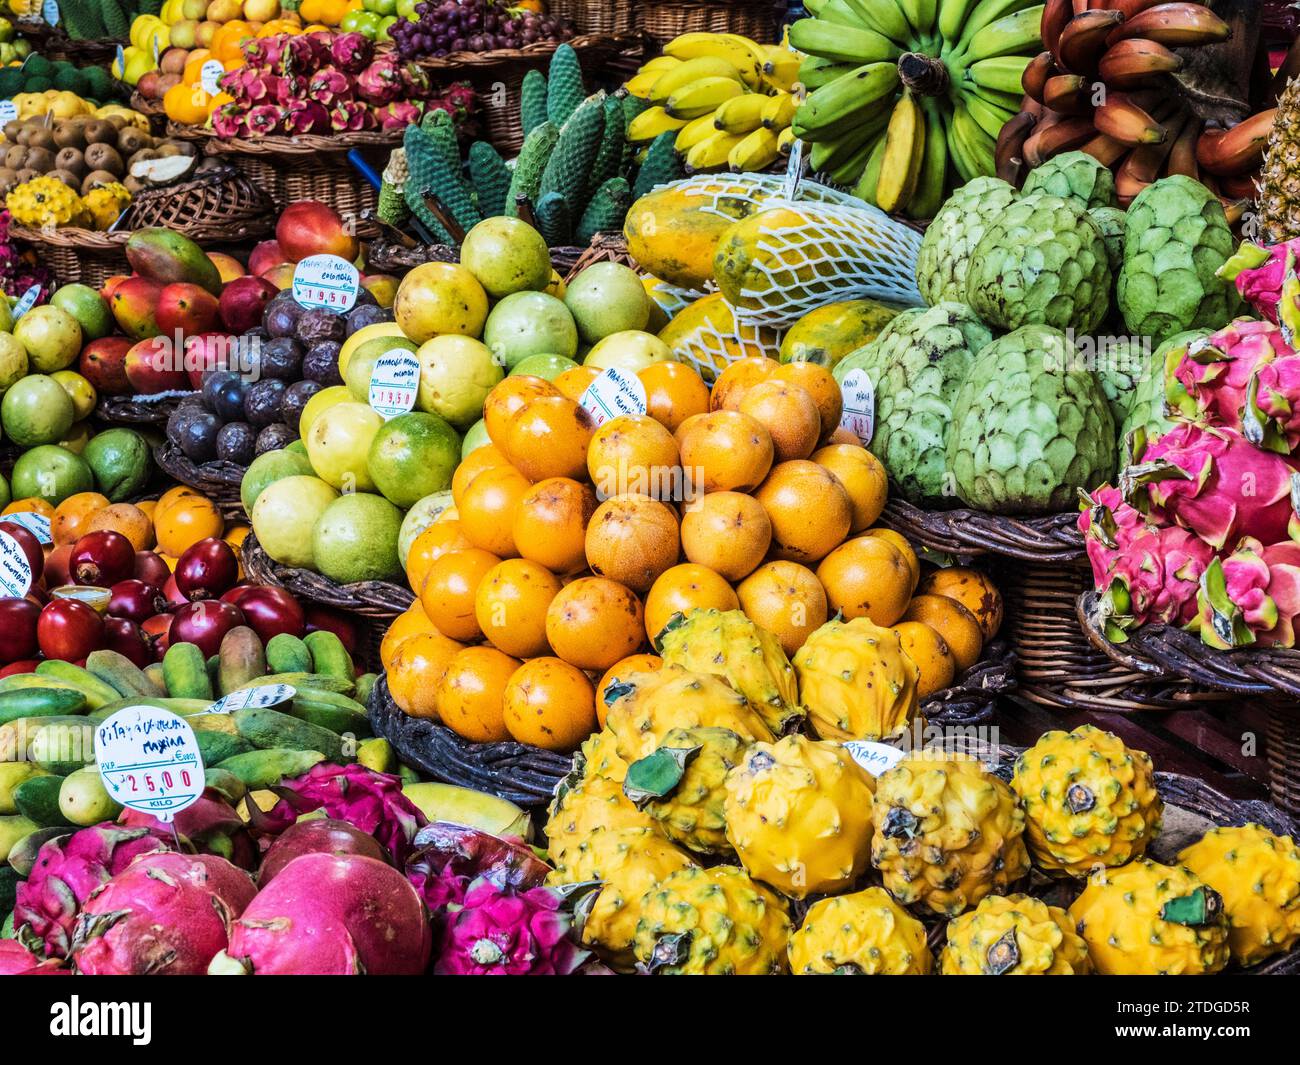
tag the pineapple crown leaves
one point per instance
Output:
(657, 775)
(1204, 906)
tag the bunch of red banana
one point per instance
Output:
(1101, 86)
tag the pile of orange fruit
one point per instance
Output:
(569, 547)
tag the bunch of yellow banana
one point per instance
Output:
(905, 98)
(729, 100)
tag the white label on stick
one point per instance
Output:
(859, 415)
(265, 695)
(36, 524)
(8, 112)
(613, 394)
(50, 12)
(28, 299)
(210, 76)
(150, 761)
(327, 281)
(394, 382)
(875, 758)
(15, 569)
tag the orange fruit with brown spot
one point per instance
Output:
(488, 508)
(30, 505)
(549, 438)
(624, 667)
(788, 413)
(511, 605)
(973, 590)
(410, 622)
(550, 524)
(933, 659)
(487, 457)
(594, 622)
(819, 383)
(632, 539)
(738, 378)
(785, 598)
(634, 453)
(416, 668)
(866, 578)
(72, 516)
(449, 592)
(724, 451)
(507, 399)
(682, 588)
(863, 478)
(550, 704)
(959, 628)
(904, 548)
(134, 524)
(183, 522)
(674, 392)
(575, 381)
(729, 532)
(471, 695)
(437, 540)
(808, 508)
(841, 435)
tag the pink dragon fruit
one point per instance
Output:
(149, 921)
(265, 52)
(1271, 416)
(351, 52)
(451, 857)
(1154, 579)
(502, 930)
(231, 884)
(306, 116)
(228, 121)
(299, 55)
(350, 115)
(1260, 273)
(1109, 525)
(329, 86)
(317, 836)
(211, 824)
(330, 915)
(371, 801)
(1216, 371)
(67, 870)
(398, 115)
(1216, 484)
(264, 120)
(381, 81)
(1252, 596)
(415, 81)
(15, 958)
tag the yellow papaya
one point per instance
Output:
(673, 233)
(707, 335)
(825, 335)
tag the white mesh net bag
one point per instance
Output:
(707, 335)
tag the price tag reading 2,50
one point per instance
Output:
(326, 281)
(149, 761)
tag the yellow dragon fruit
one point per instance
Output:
(45, 202)
(600, 758)
(947, 832)
(1014, 935)
(1147, 919)
(712, 922)
(863, 934)
(105, 204)
(1089, 800)
(653, 704)
(749, 658)
(799, 816)
(586, 806)
(680, 785)
(1258, 875)
(856, 682)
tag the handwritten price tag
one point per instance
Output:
(210, 76)
(875, 758)
(150, 761)
(266, 695)
(8, 111)
(36, 524)
(326, 281)
(28, 299)
(50, 12)
(859, 415)
(15, 569)
(394, 383)
(613, 394)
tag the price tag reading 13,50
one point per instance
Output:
(327, 281)
(149, 761)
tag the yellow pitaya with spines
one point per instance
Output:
(1014, 935)
(856, 682)
(587, 806)
(600, 757)
(863, 934)
(947, 832)
(105, 204)
(1258, 875)
(1147, 919)
(712, 922)
(799, 816)
(1089, 800)
(45, 202)
(748, 657)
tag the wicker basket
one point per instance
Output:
(77, 255)
(153, 111)
(597, 16)
(755, 19)
(390, 257)
(218, 205)
(136, 411)
(217, 480)
(372, 599)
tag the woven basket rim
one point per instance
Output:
(71, 237)
(1038, 538)
(218, 477)
(132, 410)
(373, 599)
(477, 62)
(292, 147)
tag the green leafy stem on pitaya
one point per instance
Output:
(1260, 272)
(1217, 371)
(448, 858)
(1251, 596)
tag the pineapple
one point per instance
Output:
(947, 832)
(680, 785)
(1279, 184)
(1147, 919)
(749, 658)
(669, 698)
(799, 816)
(706, 922)
(863, 934)
(1014, 935)
(1258, 875)
(856, 682)
(1089, 800)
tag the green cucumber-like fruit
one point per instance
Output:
(286, 653)
(38, 799)
(491, 178)
(185, 672)
(532, 101)
(266, 728)
(242, 659)
(329, 656)
(564, 89)
(263, 769)
(123, 674)
(40, 702)
(529, 167)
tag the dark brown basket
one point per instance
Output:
(604, 248)
(753, 19)
(77, 255)
(218, 205)
(153, 111)
(138, 410)
(596, 16)
(391, 257)
(372, 599)
(217, 480)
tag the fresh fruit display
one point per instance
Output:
(866, 933)
(906, 101)
(55, 80)
(1014, 935)
(436, 27)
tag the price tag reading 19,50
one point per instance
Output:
(262, 696)
(859, 415)
(210, 75)
(15, 567)
(36, 524)
(394, 383)
(327, 281)
(149, 761)
(613, 394)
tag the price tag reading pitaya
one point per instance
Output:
(149, 760)
(859, 415)
(209, 76)
(50, 12)
(15, 567)
(28, 299)
(875, 758)
(326, 281)
(394, 383)
(36, 524)
(614, 393)
(263, 696)
(8, 111)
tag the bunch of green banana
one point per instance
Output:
(728, 99)
(906, 97)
